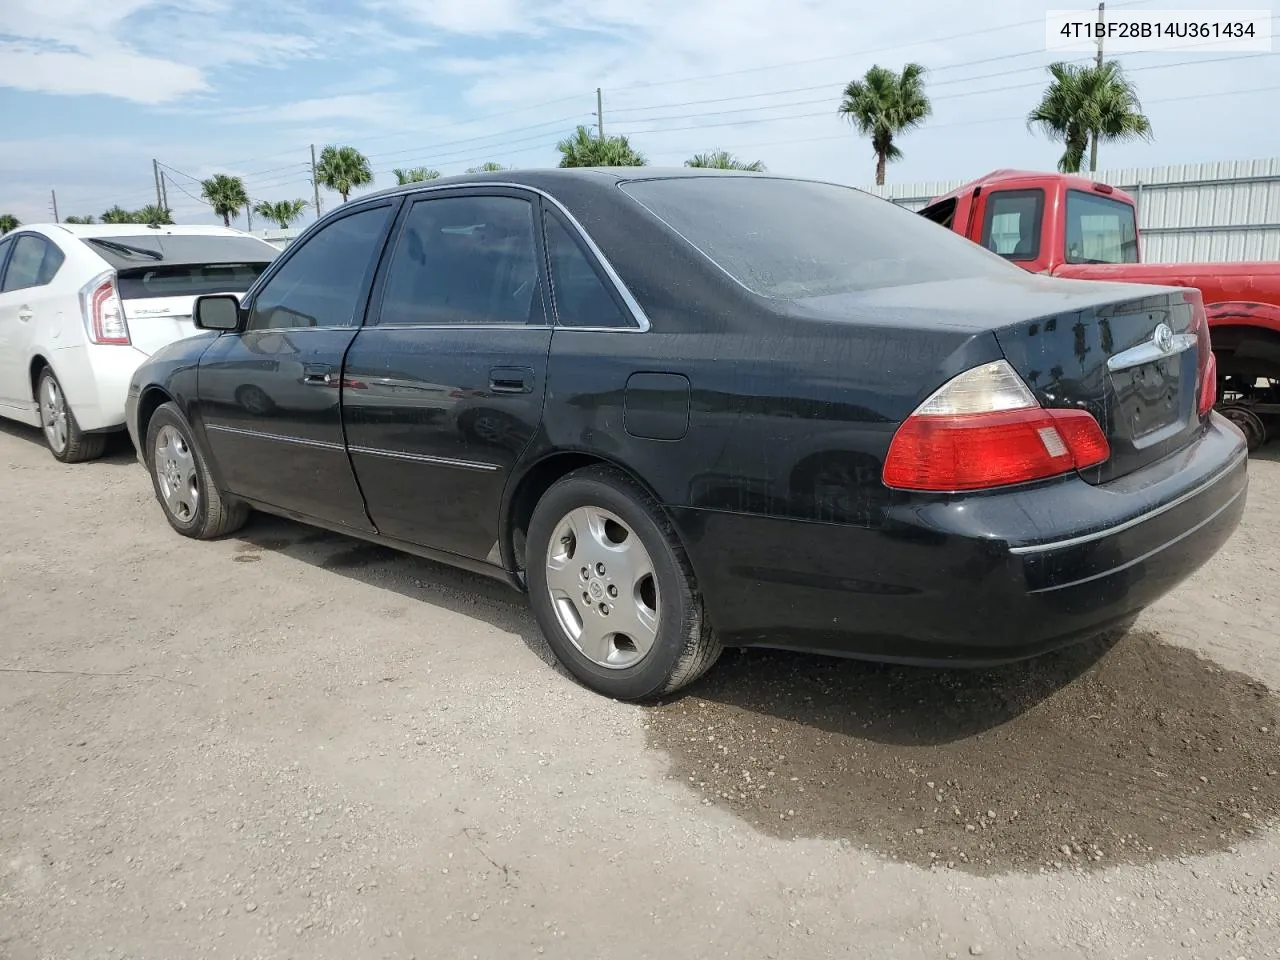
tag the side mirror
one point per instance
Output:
(217, 312)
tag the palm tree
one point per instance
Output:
(117, 214)
(88, 219)
(226, 195)
(415, 175)
(1085, 104)
(487, 167)
(584, 150)
(884, 104)
(343, 169)
(8, 223)
(723, 160)
(153, 213)
(283, 212)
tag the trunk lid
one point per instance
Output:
(1078, 345)
(1132, 359)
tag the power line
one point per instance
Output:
(859, 53)
(950, 96)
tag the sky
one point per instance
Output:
(91, 91)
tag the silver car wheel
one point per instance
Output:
(174, 464)
(53, 415)
(602, 587)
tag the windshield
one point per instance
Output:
(790, 239)
(1100, 229)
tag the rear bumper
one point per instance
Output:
(95, 379)
(973, 579)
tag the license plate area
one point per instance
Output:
(1148, 398)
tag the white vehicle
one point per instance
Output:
(81, 307)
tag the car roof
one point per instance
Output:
(547, 177)
(87, 230)
(1015, 179)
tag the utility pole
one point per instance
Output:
(599, 114)
(248, 215)
(53, 195)
(314, 181)
(155, 168)
(1093, 136)
(164, 191)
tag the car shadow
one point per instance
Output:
(415, 578)
(118, 450)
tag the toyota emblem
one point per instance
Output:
(1163, 338)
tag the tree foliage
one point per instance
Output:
(415, 175)
(283, 212)
(73, 219)
(584, 150)
(1085, 105)
(8, 223)
(153, 213)
(723, 160)
(226, 194)
(883, 105)
(343, 169)
(488, 166)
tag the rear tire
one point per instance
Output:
(62, 433)
(188, 496)
(612, 589)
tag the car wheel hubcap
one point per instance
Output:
(175, 467)
(602, 587)
(53, 412)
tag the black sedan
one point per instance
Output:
(687, 409)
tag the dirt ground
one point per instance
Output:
(291, 744)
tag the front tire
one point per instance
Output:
(190, 499)
(62, 433)
(612, 589)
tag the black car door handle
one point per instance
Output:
(511, 380)
(319, 374)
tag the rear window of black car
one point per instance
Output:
(790, 239)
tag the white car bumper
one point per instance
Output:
(95, 379)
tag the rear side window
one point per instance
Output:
(581, 297)
(790, 239)
(188, 281)
(34, 263)
(465, 261)
(1011, 226)
(1100, 230)
(321, 282)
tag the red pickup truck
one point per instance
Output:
(1071, 226)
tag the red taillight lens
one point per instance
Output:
(1206, 362)
(950, 443)
(104, 318)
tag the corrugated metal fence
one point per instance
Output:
(1218, 212)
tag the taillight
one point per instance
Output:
(103, 312)
(985, 429)
(1206, 362)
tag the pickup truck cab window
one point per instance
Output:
(1011, 227)
(1100, 230)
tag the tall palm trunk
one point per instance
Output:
(881, 163)
(226, 219)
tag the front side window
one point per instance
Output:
(33, 263)
(1011, 226)
(465, 261)
(582, 299)
(1100, 229)
(321, 282)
